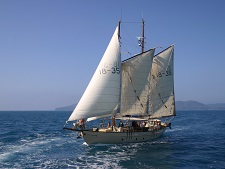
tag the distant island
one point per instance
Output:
(194, 105)
(180, 105)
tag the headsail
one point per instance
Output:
(103, 92)
(162, 101)
(135, 84)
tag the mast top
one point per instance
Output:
(119, 30)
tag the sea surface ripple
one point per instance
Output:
(35, 139)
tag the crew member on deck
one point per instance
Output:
(113, 121)
(109, 125)
(81, 124)
(120, 124)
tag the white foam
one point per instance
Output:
(85, 144)
(24, 146)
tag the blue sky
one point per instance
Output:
(49, 49)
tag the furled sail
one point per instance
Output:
(135, 84)
(162, 101)
(103, 92)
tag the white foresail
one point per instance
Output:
(135, 84)
(103, 92)
(162, 85)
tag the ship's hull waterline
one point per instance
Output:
(95, 137)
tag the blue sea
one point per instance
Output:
(36, 139)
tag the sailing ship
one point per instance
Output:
(138, 92)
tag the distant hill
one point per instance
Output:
(190, 105)
(193, 105)
(180, 105)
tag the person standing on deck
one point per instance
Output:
(113, 121)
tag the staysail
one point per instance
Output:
(103, 92)
(162, 101)
(135, 84)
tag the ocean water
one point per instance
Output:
(35, 139)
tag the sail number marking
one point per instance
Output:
(111, 68)
(168, 72)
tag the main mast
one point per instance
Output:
(143, 36)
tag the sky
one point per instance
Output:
(49, 49)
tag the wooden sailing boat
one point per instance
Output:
(137, 90)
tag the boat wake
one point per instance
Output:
(114, 156)
(33, 151)
(25, 146)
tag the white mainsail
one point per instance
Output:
(103, 92)
(135, 84)
(162, 101)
